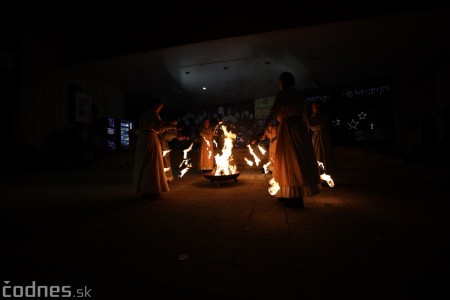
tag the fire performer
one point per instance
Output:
(206, 159)
(295, 169)
(149, 179)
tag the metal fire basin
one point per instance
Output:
(219, 178)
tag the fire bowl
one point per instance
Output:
(219, 178)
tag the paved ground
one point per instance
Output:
(378, 234)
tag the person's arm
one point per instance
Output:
(274, 111)
(161, 127)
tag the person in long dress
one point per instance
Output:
(295, 168)
(165, 138)
(206, 157)
(321, 139)
(149, 179)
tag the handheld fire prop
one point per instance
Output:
(273, 184)
(185, 161)
(325, 176)
(274, 187)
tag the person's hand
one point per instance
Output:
(259, 137)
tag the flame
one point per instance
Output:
(207, 142)
(274, 187)
(185, 161)
(223, 166)
(166, 169)
(215, 143)
(182, 172)
(207, 147)
(262, 150)
(257, 160)
(321, 165)
(325, 176)
(166, 151)
(328, 179)
(185, 151)
(249, 162)
(266, 167)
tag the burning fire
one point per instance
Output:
(257, 159)
(166, 151)
(328, 179)
(274, 187)
(262, 150)
(185, 161)
(324, 176)
(207, 147)
(223, 166)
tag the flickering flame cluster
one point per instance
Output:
(274, 187)
(223, 165)
(273, 184)
(222, 161)
(185, 161)
(164, 154)
(325, 176)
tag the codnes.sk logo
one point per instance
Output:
(33, 290)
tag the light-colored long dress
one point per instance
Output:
(148, 172)
(272, 135)
(322, 141)
(206, 158)
(295, 167)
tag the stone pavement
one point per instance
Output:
(378, 234)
